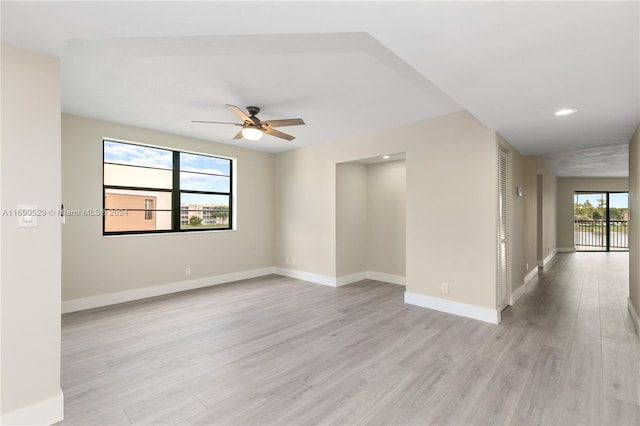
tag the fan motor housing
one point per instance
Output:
(253, 110)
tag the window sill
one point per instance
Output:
(156, 234)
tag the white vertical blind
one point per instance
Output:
(502, 228)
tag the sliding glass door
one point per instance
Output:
(601, 221)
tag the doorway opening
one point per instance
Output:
(371, 219)
(601, 221)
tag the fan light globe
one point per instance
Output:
(252, 133)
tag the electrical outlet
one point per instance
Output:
(293, 261)
(286, 260)
(187, 272)
(445, 287)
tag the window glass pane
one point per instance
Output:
(125, 153)
(200, 182)
(136, 220)
(205, 199)
(141, 177)
(198, 211)
(128, 210)
(204, 164)
(136, 200)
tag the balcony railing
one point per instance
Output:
(592, 234)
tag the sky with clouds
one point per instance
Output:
(197, 172)
(618, 200)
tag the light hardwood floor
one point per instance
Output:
(276, 350)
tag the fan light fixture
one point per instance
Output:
(252, 128)
(566, 111)
(252, 133)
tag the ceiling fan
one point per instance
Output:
(253, 128)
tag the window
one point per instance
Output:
(148, 205)
(150, 190)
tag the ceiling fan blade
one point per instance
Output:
(237, 111)
(215, 122)
(238, 135)
(283, 123)
(244, 117)
(278, 134)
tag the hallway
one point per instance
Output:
(587, 368)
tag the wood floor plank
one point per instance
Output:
(544, 385)
(582, 396)
(612, 324)
(620, 382)
(496, 405)
(382, 392)
(167, 408)
(618, 412)
(454, 402)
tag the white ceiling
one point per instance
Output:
(350, 67)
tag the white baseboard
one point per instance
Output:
(521, 290)
(531, 275)
(90, 302)
(634, 316)
(342, 280)
(370, 275)
(566, 249)
(517, 294)
(45, 412)
(159, 290)
(462, 309)
(350, 279)
(547, 259)
(307, 276)
(387, 278)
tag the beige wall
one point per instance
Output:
(566, 189)
(540, 204)
(530, 201)
(305, 212)
(540, 212)
(450, 160)
(351, 218)
(386, 220)
(95, 265)
(634, 225)
(30, 263)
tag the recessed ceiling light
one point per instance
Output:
(566, 111)
(385, 157)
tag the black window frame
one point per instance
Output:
(175, 191)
